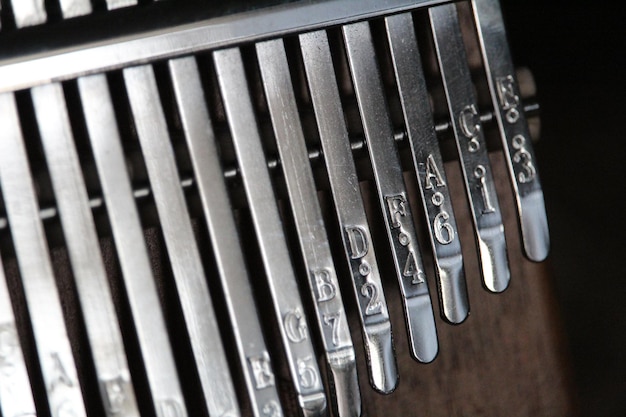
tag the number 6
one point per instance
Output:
(440, 224)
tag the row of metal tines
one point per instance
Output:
(199, 115)
(19, 14)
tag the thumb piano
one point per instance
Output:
(277, 209)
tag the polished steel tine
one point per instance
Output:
(471, 146)
(286, 301)
(16, 395)
(253, 355)
(42, 297)
(74, 8)
(348, 202)
(392, 193)
(29, 12)
(156, 352)
(118, 4)
(307, 213)
(428, 164)
(94, 294)
(513, 127)
(191, 282)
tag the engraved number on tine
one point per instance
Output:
(444, 232)
(333, 321)
(523, 157)
(271, 409)
(308, 374)
(480, 173)
(374, 306)
(411, 270)
(115, 393)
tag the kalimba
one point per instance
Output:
(224, 210)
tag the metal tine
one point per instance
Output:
(42, 297)
(16, 395)
(513, 127)
(428, 165)
(118, 4)
(74, 8)
(253, 355)
(191, 281)
(29, 12)
(132, 252)
(471, 146)
(307, 213)
(348, 202)
(103, 332)
(286, 300)
(392, 193)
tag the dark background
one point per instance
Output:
(577, 52)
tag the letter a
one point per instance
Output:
(432, 172)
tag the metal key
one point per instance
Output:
(428, 165)
(28, 12)
(105, 338)
(471, 147)
(16, 395)
(331, 316)
(202, 329)
(42, 297)
(355, 234)
(156, 352)
(118, 4)
(514, 132)
(253, 354)
(392, 194)
(74, 8)
(286, 301)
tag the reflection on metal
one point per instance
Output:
(184, 255)
(42, 297)
(331, 316)
(428, 165)
(105, 338)
(132, 252)
(349, 208)
(472, 149)
(392, 194)
(58, 65)
(285, 300)
(16, 396)
(224, 91)
(199, 134)
(514, 132)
